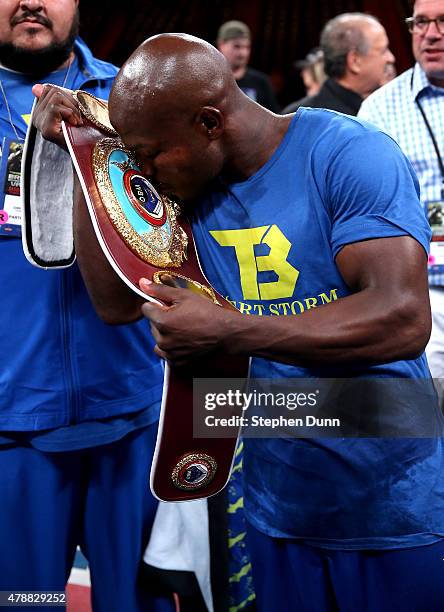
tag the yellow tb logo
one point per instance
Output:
(244, 241)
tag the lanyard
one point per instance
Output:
(433, 137)
(8, 110)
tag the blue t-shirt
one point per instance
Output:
(67, 380)
(268, 244)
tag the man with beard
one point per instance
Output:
(314, 217)
(77, 421)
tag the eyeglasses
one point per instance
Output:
(420, 25)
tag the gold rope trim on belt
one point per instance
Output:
(155, 247)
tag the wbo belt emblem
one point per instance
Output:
(144, 198)
(194, 471)
(144, 219)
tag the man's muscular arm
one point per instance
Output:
(386, 318)
(113, 301)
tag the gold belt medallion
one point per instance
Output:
(145, 219)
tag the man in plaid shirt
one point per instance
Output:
(411, 109)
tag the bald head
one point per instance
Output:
(170, 104)
(176, 104)
(171, 73)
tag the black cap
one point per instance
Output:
(313, 57)
(233, 29)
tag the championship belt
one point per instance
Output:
(142, 235)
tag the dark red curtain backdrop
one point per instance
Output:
(283, 30)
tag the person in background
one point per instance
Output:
(312, 71)
(79, 399)
(312, 74)
(356, 54)
(411, 109)
(390, 73)
(234, 42)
